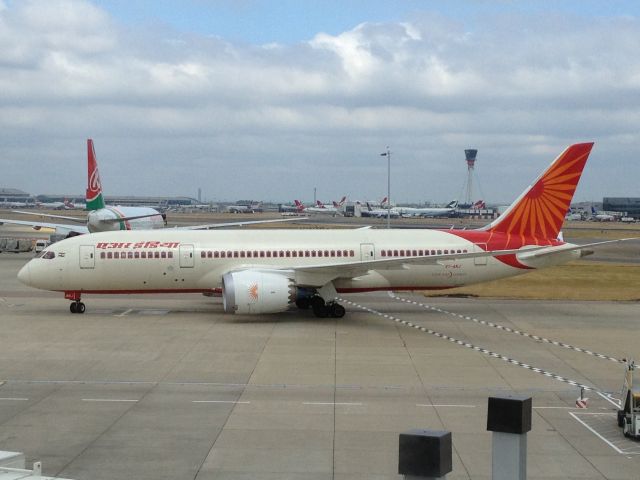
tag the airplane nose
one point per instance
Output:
(24, 275)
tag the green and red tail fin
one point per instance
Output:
(95, 200)
(540, 210)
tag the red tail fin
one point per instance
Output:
(94, 197)
(540, 210)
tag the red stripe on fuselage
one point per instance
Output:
(490, 241)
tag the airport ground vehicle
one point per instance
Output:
(629, 415)
(41, 245)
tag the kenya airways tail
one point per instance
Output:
(95, 200)
(540, 210)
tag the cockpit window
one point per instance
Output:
(48, 255)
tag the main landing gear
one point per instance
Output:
(320, 308)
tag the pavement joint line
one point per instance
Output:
(512, 330)
(513, 361)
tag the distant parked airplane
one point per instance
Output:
(446, 211)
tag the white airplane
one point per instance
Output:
(103, 218)
(601, 216)
(52, 205)
(272, 271)
(450, 209)
(251, 208)
(320, 209)
(382, 212)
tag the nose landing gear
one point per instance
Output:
(77, 306)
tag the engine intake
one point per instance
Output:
(253, 292)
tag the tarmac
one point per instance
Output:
(155, 387)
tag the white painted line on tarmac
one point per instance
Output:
(14, 399)
(333, 403)
(613, 401)
(126, 312)
(220, 401)
(558, 408)
(108, 400)
(443, 406)
(612, 445)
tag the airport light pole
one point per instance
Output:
(388, 155)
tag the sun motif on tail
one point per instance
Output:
(540, 210)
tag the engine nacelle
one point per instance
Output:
(253, 292)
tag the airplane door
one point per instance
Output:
(367, 252)
(187, 259)
(480, 260)
(87, 256)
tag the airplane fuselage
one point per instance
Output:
(195, 261)
(120, 218)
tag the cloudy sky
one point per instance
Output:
(269, 99)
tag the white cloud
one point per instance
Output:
(274, 121)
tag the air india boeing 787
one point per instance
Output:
(274, 270)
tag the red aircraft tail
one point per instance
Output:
(540, 209)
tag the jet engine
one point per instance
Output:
(254, 292)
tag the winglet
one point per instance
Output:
(95, 200)
(540, 210)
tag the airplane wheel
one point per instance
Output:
(73, 307)
(80, 308)
(303, 303)
(337, 310)
(320, 309)
(620, 418)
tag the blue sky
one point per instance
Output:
(269, 100)
(287, 21)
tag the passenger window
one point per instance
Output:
(102, 255)
(157, 254)
(163, 254)
(203, 254)
(170, 254)
(116, 254)
(137, 255)
(129, 254)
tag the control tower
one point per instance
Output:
(470, 155)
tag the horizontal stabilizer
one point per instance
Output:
(547, 251)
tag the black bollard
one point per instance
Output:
(425, 454)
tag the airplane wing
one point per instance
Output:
(48, 215)
(58, 227)
(319, 275)
(240, 224)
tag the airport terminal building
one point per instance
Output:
(630, 205)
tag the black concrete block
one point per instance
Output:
(511, 414)
(425, 453)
